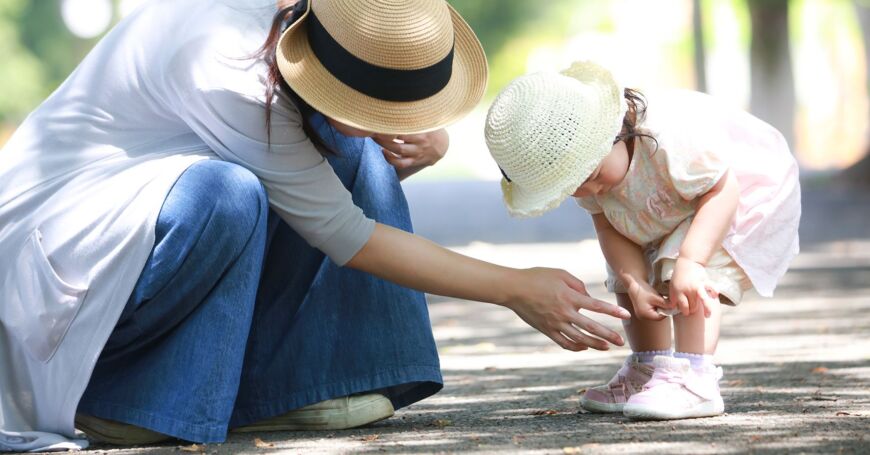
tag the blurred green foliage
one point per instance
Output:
(22, 77)
(38, 52)
(510, 30)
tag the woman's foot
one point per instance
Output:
(611, 397)
(336, 414)
(678, 391)
(117, 433)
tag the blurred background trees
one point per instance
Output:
(793, 63)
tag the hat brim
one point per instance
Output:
(303, 71)
(522, 202)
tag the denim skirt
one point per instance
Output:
(235, 318)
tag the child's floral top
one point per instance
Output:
(699, 139)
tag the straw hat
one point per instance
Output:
(549, 131)
(386, 66)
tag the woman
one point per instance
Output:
(166, 212)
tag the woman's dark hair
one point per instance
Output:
(633, 116)
(275, 83)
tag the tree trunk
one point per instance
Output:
(698, 40)
(772, 82)
(860, 171)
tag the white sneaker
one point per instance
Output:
(335, 414)
(611, 397)
(677, 391)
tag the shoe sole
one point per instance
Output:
(116, 433)
(601, 408)
(705, 409)
(370, 411)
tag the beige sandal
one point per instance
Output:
(336, 414)
(117, 433)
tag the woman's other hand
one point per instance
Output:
(411, 153)
(550, 300)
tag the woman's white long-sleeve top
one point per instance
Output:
(83, 179)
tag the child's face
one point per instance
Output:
(609, 173)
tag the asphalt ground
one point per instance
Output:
(797, 366)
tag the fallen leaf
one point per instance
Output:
(820, 370)
(843, 413)
(755, 438)
(545, 412)
(517, 439)
(490, 369)
(193, 448)
(735, 382)
(371, 438)
(260, 444)
(441, 423)
(583, 390)
(572, 450)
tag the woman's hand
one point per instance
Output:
(411, 153)
(547, 299)
(646, 300)
(691, 289)
(550, 300)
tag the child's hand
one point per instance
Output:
(691, 289)
(645, 300)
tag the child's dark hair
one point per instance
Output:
(633, 116)
(276, 83)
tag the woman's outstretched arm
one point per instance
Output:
(547, 299)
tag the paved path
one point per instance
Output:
(797, 367)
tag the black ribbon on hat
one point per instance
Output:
(386, 84)
(296, 11)
(504, 174)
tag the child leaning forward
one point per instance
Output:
(694, 203)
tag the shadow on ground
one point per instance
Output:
(797, 367)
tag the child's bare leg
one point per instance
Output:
(696, 334)
(644, 335)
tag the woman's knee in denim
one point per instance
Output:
(237, 198)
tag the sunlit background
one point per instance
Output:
(808, 79)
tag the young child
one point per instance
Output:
(693, 202)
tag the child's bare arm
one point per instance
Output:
(626, 259)
(713, 218)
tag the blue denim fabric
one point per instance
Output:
(236, 319)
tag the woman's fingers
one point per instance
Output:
(566, 343)
(573, 333)
(384, 139)
(402, 148)
(597, 329)
(575, 283)
(397, 161)
(585, 302)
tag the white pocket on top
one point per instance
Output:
(39, 305)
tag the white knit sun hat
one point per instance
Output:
(549, 131)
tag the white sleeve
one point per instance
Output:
(223, 101)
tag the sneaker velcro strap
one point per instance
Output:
(619, 392)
